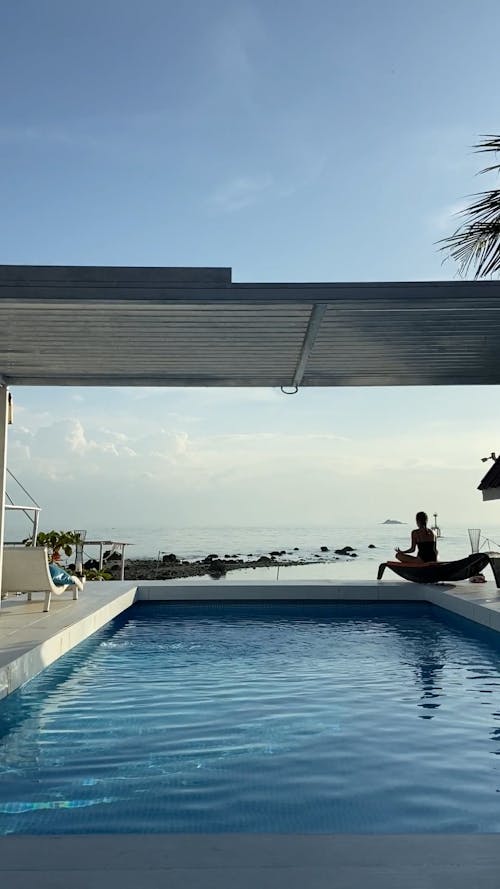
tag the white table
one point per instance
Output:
(117, 545)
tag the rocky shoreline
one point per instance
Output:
(215, 566)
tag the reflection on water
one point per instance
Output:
(427, 657)
(287, 717)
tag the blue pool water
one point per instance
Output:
(276, 718)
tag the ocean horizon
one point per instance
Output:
(372, 543)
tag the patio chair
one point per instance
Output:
(26, 570)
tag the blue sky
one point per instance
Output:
(291, 141)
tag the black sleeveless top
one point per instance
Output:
(426, 550)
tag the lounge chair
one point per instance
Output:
(438, 572)
(26, 570)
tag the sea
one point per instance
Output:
(372, 544)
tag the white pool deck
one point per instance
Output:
(30, 640)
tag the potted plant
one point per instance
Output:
(57, 542)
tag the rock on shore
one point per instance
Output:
(150, 569)
(213, 565)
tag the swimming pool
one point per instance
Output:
(277, 717)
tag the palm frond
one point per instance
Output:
(489, 143)
(476, 243)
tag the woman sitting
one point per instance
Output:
(422, 540)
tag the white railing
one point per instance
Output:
(35, 519)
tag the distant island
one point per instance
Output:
(393, 522)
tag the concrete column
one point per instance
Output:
(4, 419)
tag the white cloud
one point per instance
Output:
(34, 133)
(76, 439)
(115, 434)
(240, 192)
(448, 219)
(233, 44)
(296, 468)
(231, 395)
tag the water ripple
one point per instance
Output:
(309, 719)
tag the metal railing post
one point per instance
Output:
(4, 419)
(36, 519)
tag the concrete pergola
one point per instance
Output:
(102, 326)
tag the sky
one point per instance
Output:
(291, 141)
